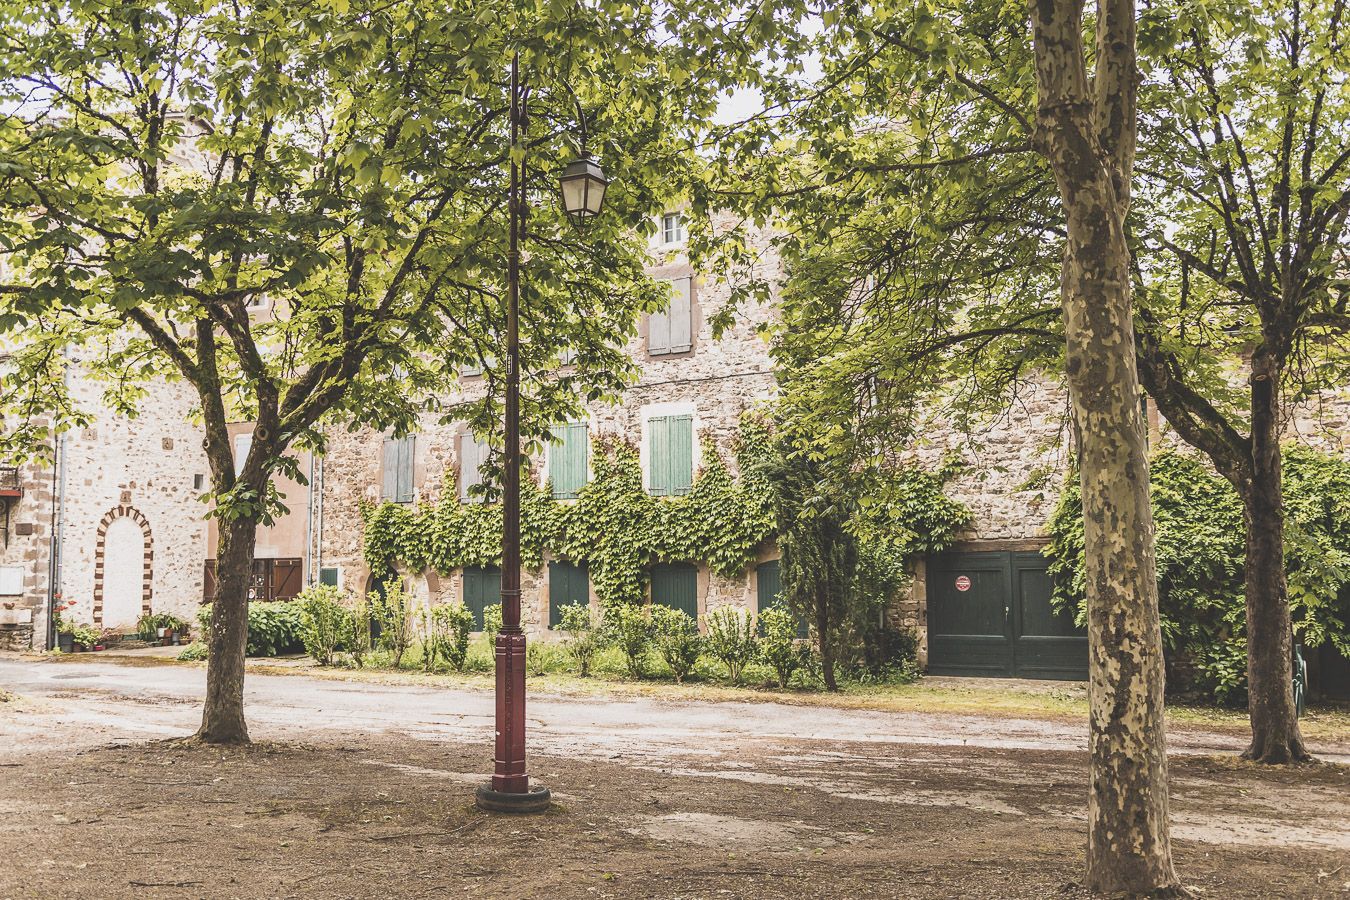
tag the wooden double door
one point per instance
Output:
(989, 614)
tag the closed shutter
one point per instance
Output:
(389, 470)
(680, 431)
(329, 576)
(676, 585)
(404, 484)
(681, 317)
(209, 581)
(472, 454)
(670, 445)
(569, 584)
(769, 592)
(658, 333)
(568, 459)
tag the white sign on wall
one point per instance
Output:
(11, 581)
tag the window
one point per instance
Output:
(198, 481)
(670, 455)
(672, 331)
(242, 444)
(569, 584)
(397, 473)
(672, 228)
(568, 357)
(769, 591)
(676, 585)
(482, 588)
(472, 454)
(331, 576)
(568, 457)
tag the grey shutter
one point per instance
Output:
(471, 455)
(567, 460)
(681, 317)
(389, 470)
(658, 333)
(404, 483)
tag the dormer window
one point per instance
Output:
(672, 228)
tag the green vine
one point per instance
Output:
(614, 526)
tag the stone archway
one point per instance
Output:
(119, 569)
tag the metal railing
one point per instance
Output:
(9, 478)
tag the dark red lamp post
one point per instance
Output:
(583, 191)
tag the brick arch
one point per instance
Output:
(147, 573)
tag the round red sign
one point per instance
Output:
(962, 583)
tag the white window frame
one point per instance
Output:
(680, 231)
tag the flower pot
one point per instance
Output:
(166, 637)
(65, 642)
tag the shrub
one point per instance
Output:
(731, 638)
(357, 639)
(492, 621)
(584, 639)
(629, 627)
(779, 647)
(326, 622)
(677, 639)
(540, 658)
(193, 652)
(445, 636)
(393, 611)
(274, 627)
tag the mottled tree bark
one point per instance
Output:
(1270, 691)
(223, 711)
(1085, 129)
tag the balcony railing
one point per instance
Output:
(9, 480)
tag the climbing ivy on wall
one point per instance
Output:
(614, 526)
(1200, 553)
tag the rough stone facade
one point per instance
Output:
(716, 381)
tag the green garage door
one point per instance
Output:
(989, 614)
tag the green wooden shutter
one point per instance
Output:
(769, 592)
(658, 455)
(472, 454)
(568, 459)
(680, 435)
(676, 585)
(328, 576)
(482, 588)
(681, 317)
(568, 584)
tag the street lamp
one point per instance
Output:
(583, 191)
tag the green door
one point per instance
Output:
(676, 585)
(769, 591)
(989, 614)
(482, 588)
(569, 584)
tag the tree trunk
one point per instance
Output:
(1270, 692)
(1085, 129)
(223, 711)
(823, 637)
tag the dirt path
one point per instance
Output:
(364, 791)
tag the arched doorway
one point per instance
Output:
(122, 569)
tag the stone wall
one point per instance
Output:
(716, 381)
(26, 547)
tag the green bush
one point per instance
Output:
(629, 628)
(357, 639)
(327, 622)
(677, 640)
(541, 658)
(445, 636)
(584, 639)
(394, 613)
(779, 647)
(274, 627)
(193, 652)
(1199, 537)
(492, 621)
(731, 638)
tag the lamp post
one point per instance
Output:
(582, 186)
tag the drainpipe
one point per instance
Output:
(56, 544)
(309, 526)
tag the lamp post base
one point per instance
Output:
(535, 800)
